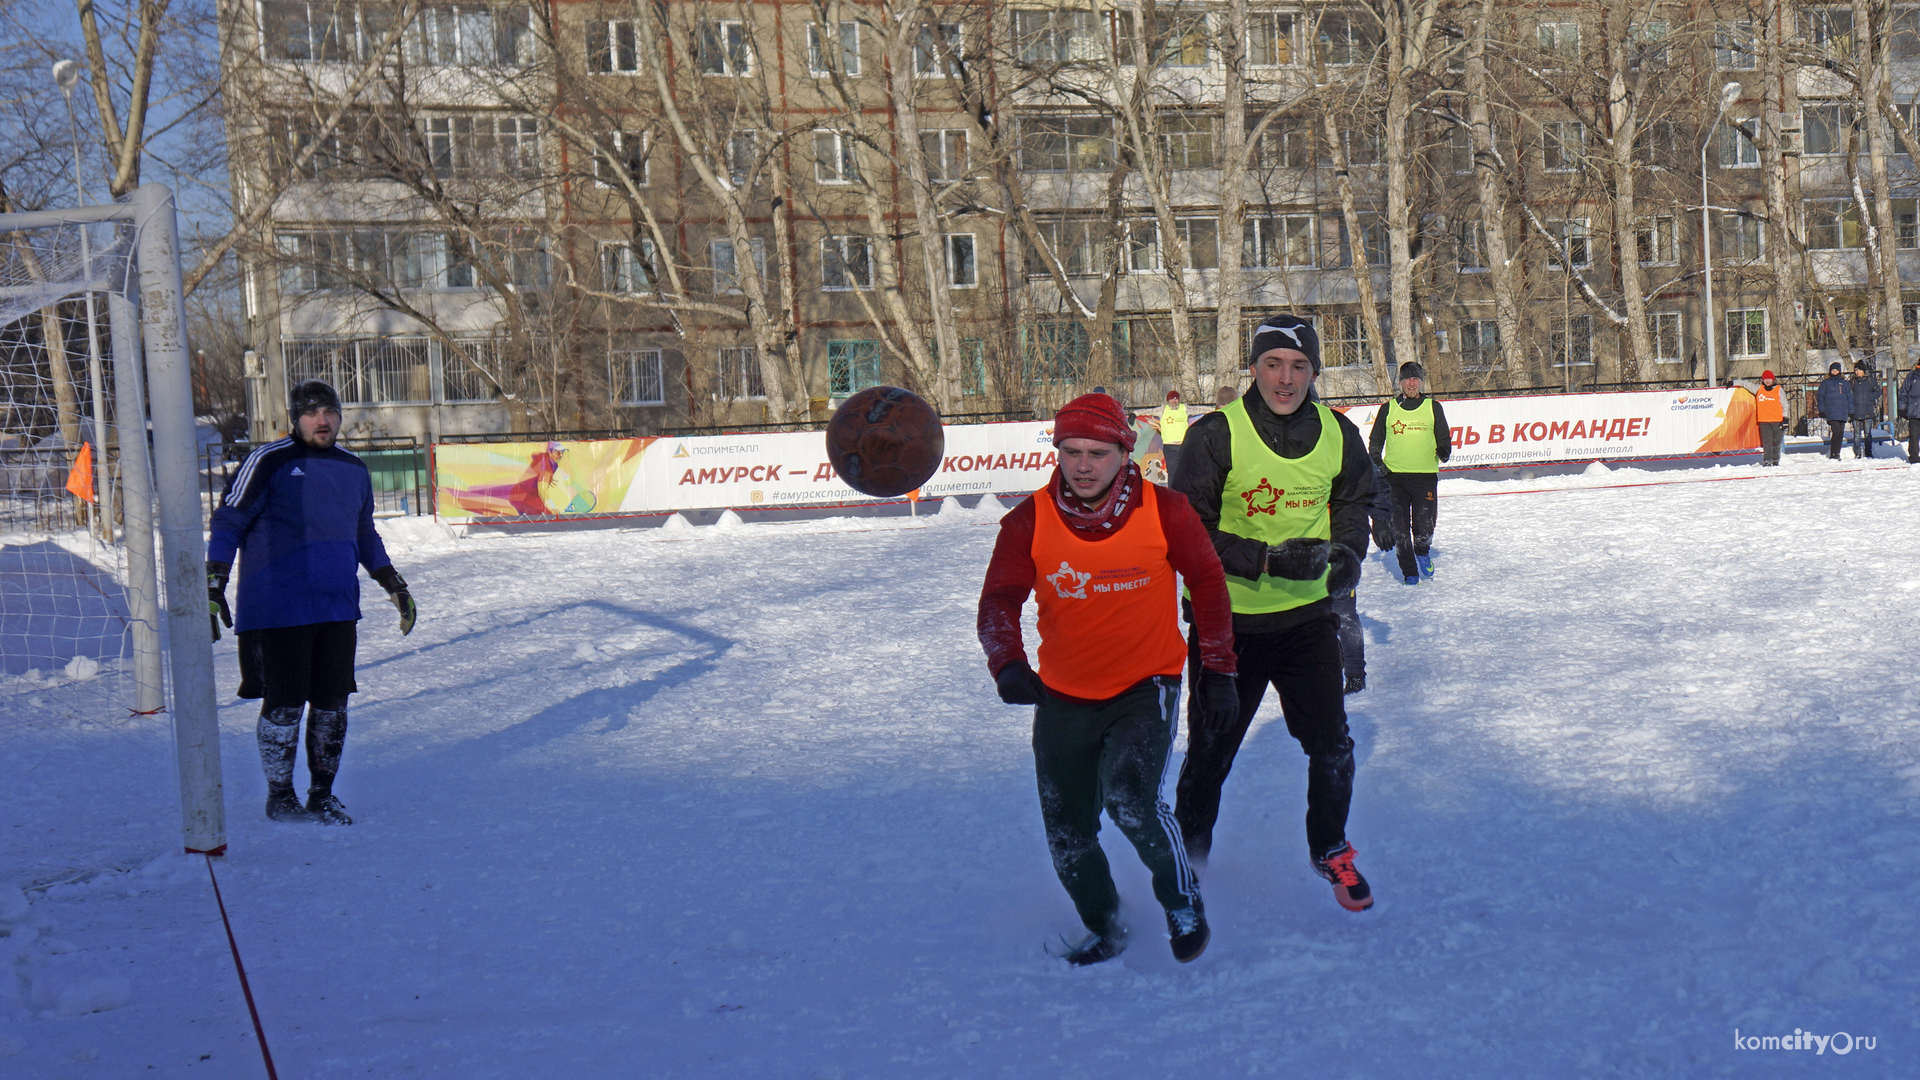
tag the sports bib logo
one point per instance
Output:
(1068, 583)
(1264, 499)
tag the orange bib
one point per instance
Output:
(1769, 405)
(1108, 610)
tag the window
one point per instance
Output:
(1906, 233)
(1830, 31)
(852, 366)
(1575, 237)
(1656, 142)
(1562, 40)
(1470, 242)
(930, 54)
(471, 35)
(1279, 241)
(1737, 148)
(724, 48)
(1143, 245)
(1479, 344)
(383, 371)
(1067, 144)
(1563, 145)
(1459, 159)
(1664, 328)
(1185, 39)
(946, 154)
(613, 46)
(1747, 332)
(1345, 39)
(1740, 238)
(846, 262)
(1186, 142)
(1570, 340)
(1344, 342)
(1288, 143)
(1269, 38)
(468, 369)
(637, 377)
(1058, 37)
(1650, 45)
(629, 149)
(368, 258)
(743, 153)
(962, 271)
(1201, 237)
(349, 32)
(1365, 145)
(1833, 224)
(1056, 349)
(1733, 47)
(468, 146)
(1079, 243)
(973, 365)
(627, 269)
(1374, 245)
(740, 374)
(1654, 240)
(1826, 127)
(845, 52)
(834, 158)
(1904, 34)
(724, 255)
(521, 257)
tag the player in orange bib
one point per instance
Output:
(1099, 548)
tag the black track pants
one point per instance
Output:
(1416, 503)
(1353, 643)
(1110, 755)
(1771, 433)
(290, 667)
(1303, 664)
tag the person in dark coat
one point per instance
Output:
(1835, 401)
(299, 514)
(1865, 409)
(1909, 402)
(1410, 439)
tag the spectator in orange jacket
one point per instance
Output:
(1772, 417)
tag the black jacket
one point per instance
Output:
(1834, 398)
(1202, 477)
(1442, 435)
(1909, 399)
(1866, 396)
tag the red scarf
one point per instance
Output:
(1109, 512)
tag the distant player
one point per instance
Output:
(1099, 548)
(1282, 484)
(299, 512)
(1410, 439)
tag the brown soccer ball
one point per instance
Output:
(885, 441)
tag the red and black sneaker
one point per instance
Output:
(1348, 886)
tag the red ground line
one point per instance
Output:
(258, 1031)
(1667, 483)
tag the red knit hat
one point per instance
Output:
(1093, 416)
(1172, 394)
(1766, 374)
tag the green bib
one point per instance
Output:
(1271, 499)
(1410, 447)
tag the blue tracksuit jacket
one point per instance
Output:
(302, 522)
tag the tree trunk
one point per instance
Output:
(1230, 346)
(1624, 124)
(1875, 49)
(1487, 170)
(1357, 254)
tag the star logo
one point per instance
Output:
(1069, 583)
(1399, 427)
(1264, 499)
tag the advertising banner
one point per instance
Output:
(1589, 427)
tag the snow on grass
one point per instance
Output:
(1638, 767)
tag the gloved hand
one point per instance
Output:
(1343, 570)
(1219, 695)
(1383, 537)
(1018, 685)
(396, 587)
(1298, 559)
(217, 610)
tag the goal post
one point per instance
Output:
(50, 258)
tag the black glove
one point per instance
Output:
(1219, 695)
(1018, 685)
(217, 610)
(1383, 538)
(1298, 559)
(1343, 570)
(396, 587)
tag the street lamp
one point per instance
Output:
(1727, 94)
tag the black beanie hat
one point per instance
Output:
(1411, 370)
(312, 394)
(1286, 332)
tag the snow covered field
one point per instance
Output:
(1639, 768)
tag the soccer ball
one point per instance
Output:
(885, 441)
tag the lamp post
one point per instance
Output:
(1727, 94)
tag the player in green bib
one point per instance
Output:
(1409, 441)
(1282, 484)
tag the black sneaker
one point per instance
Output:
(283, 805)
(1355, 683)
(1187, 927)
(1094, 948)
(1349, 888)
(326, 809)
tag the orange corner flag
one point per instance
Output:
(80, 478)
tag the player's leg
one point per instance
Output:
(1425, 511)
(331, 681)
(273, 666)
(1066, 763)
(1210, 751)
(1317, 716)
(1402, 494)
(1353, 645)
(1133, 770)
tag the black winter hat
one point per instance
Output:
(310, 395)
(1835, 366)
(1411, 370)
(1286, 332)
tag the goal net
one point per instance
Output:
(98, 484)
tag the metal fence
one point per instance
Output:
(398, 467)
